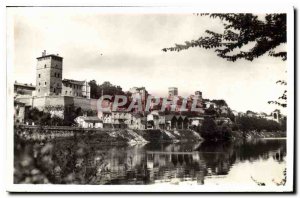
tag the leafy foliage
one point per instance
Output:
(253, 123)
(45, 118)
(106, 88)
(220, 102)
(211, 131)
(240, 30)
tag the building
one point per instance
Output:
(195, 122)
(51, 91)
(173, 91)
(153, 120)
(251, 114)
(76, 88)
(275, 116)
(23, 89)
(115, 119)
(138, 122)
(139, 93)
(49, 81)
(198, 95)
(209, 104)
(224, 110)
(49, 75)
(174, 122)
(235, 113)
(89, 122)
(223, 120)
(262, 115)
(19, 113)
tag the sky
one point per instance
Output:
(125, 49)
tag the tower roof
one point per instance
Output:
(50, 55)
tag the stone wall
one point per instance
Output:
(41, 102)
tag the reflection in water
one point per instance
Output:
(84, 162)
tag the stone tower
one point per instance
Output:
(173, 91)
(49, 75)
(198, 95)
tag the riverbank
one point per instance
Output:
(256, 134)
(125, 136)
(105, 136)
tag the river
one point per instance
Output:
(259, 162)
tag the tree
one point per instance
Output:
(220, 102)
(242, 30)
(106, 88)
(208, 129)
(258, 124)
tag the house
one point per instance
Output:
(251, 114)
(23, 89)
(176, 122)
(162, 121)
(235, 113)
(223, 120)
(75, 88)
(138, 122)
(241, 114)
(115, 119)
(153, 120)
(195, 121)
(209, 104)
(89, 122)
(262, 115)
(139, 93)
(275, 116)
(19, 114)
(224, 110)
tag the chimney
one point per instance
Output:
(44, 53)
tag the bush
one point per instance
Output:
(258, 124)
(211, 131)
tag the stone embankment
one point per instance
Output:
(105, 136)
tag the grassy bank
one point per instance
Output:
(105, 136)
(257, 134)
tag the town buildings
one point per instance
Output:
(173, 91)
(23, 89)
(51, 90)
(49, 72)
(53, 94)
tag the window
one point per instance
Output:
(39, 75)
(45, 83)
(39, 84)
(45, 66)
(66, 92)
(38, 90)
(54, 74)
(58, 75)
(54, 90)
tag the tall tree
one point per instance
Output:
(242, 30)
(106, 88)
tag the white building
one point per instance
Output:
(89, 122)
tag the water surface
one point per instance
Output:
(88, 162)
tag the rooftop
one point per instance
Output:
(71, 81)
(24, 85)
(50, 55)
(92, 119)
